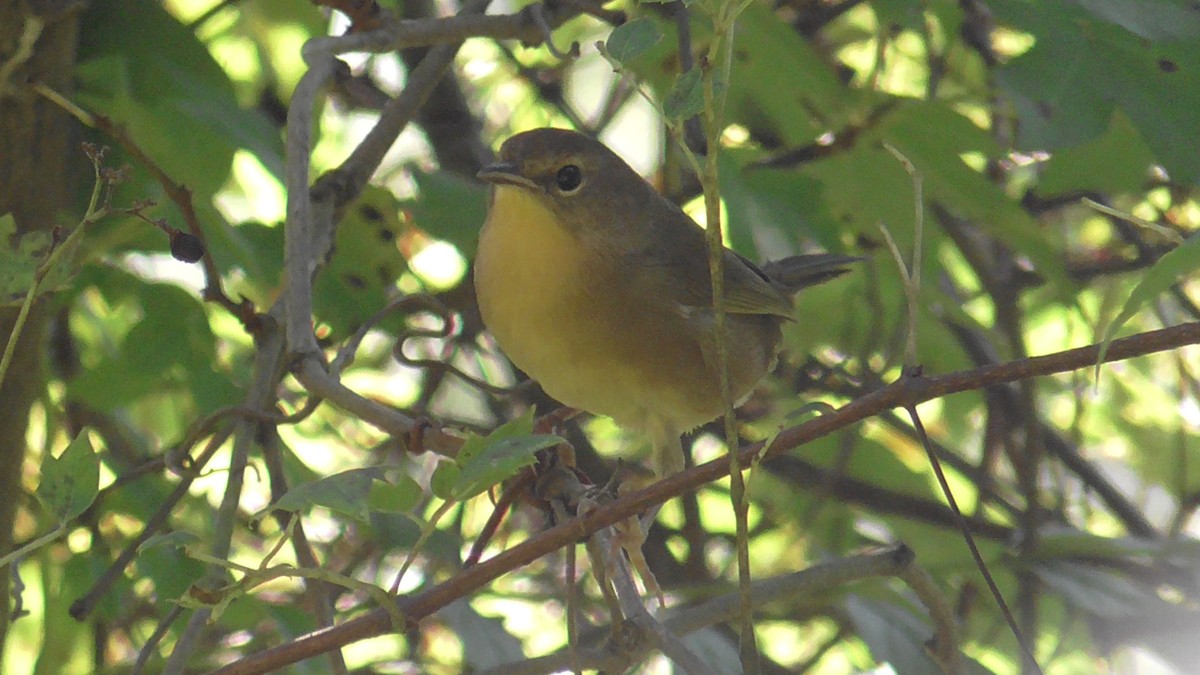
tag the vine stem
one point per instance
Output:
(93, 214)
(720, 51)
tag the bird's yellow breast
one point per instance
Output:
(554, 310)
(527, 278)
(527, 266)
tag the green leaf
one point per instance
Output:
(633, 39)
(1177, 263)
(176, 539)
(1150, 19)
(170, 94)
(484, 461)
(485, 641)
(70, 481)
(20, 257)
(933, 136)
(449, 207)
(769, 205)
(444, 477)
(347, 493)
(781, 82)
(399, 498)
(1067, 542)
(1090, 167)
(497, 462)
(1081, 68)
(475, 444)
(686, 97)
(366, 262)
(170, 350)
(171, 569)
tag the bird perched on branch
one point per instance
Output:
(600, 289)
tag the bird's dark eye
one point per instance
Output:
(569, 178)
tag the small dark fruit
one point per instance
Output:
(186, 247)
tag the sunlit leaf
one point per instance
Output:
(402, 496)
(1174, 265)
(347, 493)
(497, 461)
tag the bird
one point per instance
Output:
(599, 288)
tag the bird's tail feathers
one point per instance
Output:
(799, 271)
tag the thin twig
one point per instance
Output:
(268, 371)
(1024, 645)
(179, 193)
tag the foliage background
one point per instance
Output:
(1012, 113)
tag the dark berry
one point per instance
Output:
(186, 247)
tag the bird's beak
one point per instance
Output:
(506, 173)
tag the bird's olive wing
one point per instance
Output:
(674, 269)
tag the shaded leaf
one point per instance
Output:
(1067, 542)
(633, 39)
(70, 481)
(780, 81)
(449, 207)
(1090, 166)
(170, 94)
(686, 97)
(475, 444)
(1150, 19)
(20, 258)
(1081, 68)
(443, 480)
(715, 649)
(176, 539)
(893, 633)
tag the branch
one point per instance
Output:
(907, 392)
(262, 397)
(311, 213)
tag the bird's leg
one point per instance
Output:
(667, 456)
(629, 535)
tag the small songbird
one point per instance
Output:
(599, 288)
